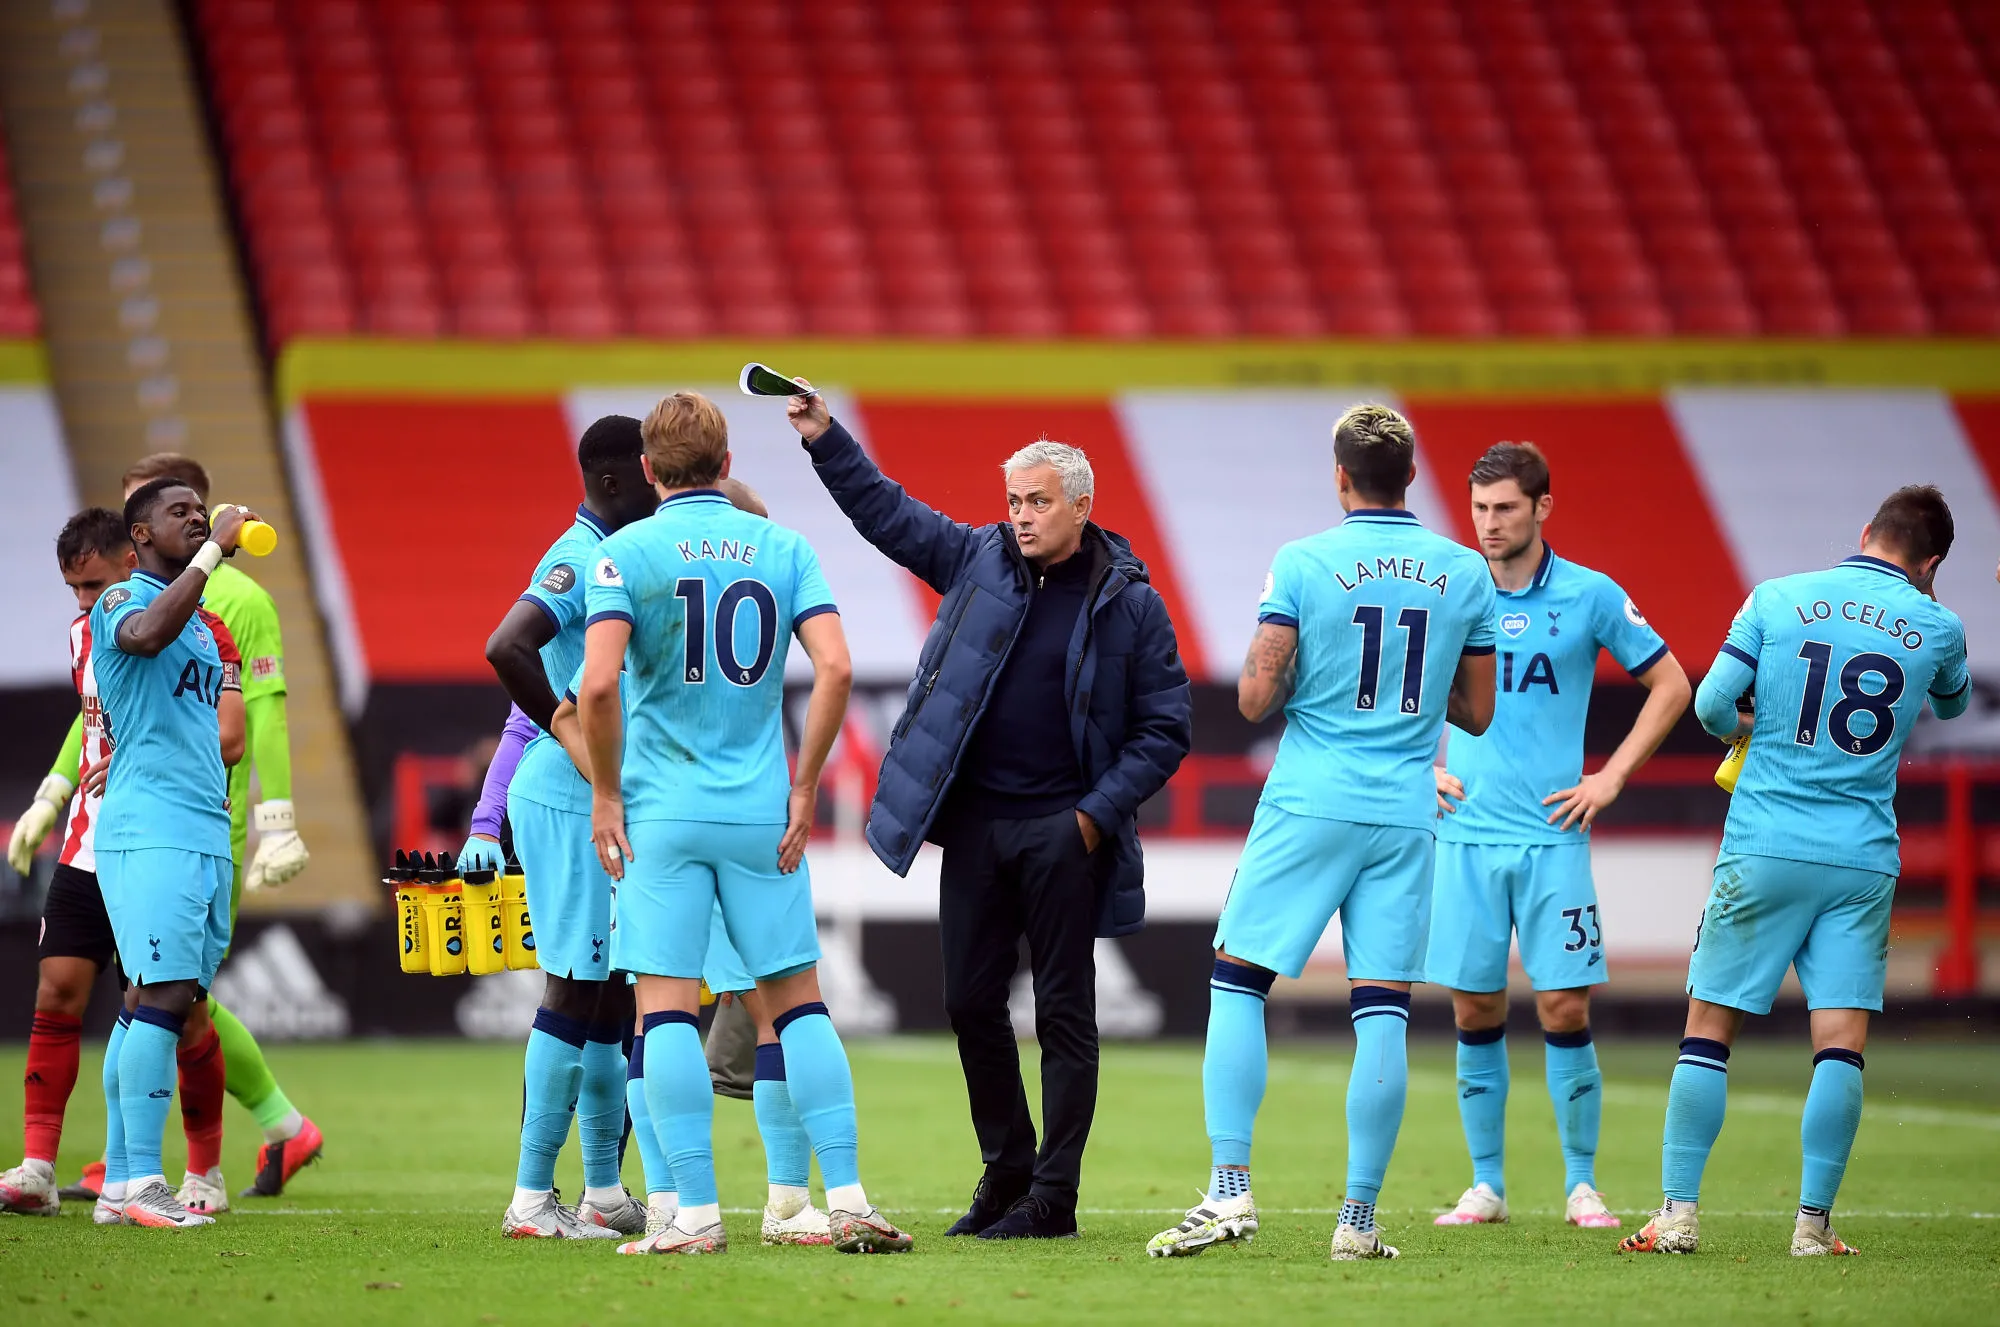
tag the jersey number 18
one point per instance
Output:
(1853, 700)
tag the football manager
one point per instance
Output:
(1049, 702)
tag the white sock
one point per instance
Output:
(37, 1167)
(285, 1129)
(113, 1191)
(846, 1198)
(1675, 1206)
(788, 1200)
(603, 1197)
(689, 1220)
(138, 1182)
(666, 1200)
(526, 1198)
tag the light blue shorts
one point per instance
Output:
(569, 895)
(680, 871)
(723, 969)
(1766, 914)
(1297, 871)
(1482, 894)
(169, 912)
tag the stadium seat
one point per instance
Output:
(1115, 169)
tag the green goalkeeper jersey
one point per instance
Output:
(246, 608)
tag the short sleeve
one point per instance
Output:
(559, 592)
(811, 595)
(113, 607)
(606, 596)
(1952, 676)
(1280, 604)
(1623, 630)
(225, 642)
(1745, 641)
(575, 685)
(1486, 605)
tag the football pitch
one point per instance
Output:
(400, 1221)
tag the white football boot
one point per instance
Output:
(155, 1206)
(1586, 1208)
(627, 1217)
(107, 1211)
(1351, 1245)
(709, 1239)
(545, 1218)
(1813, 1237)
(866, 1232)
(29, 1189)
(660, 1211)
(795, 1222)
(1477, 1206)
(204, 1193)
(1666, 1231)
(1210, 1222)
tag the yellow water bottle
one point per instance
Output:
(444, 919)
(1732, 764)
(413, 954)
(485, 943)
(517, 928)
(255, 538)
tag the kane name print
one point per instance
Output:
(717, 550)
(1402, 569)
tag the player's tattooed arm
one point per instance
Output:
(1270, 671)
(1470, 705)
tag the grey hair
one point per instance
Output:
(1069, 462)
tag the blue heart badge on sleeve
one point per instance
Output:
(1514, 623)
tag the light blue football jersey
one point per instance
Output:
(713, 595)
(168, 787)
(1843, 661)
(545, 773)
(1384, 608)
(1548, 636)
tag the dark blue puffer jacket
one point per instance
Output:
(1129, 703)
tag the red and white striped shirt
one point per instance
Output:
(80, 830)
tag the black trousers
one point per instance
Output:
(1003, 880)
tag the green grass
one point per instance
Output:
(400, 1222)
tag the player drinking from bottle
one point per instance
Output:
(163, 836)
(1513, 854)
(697, 604)
(1370, 635)
(291, 1141)
(1844, 660)
(94, 552)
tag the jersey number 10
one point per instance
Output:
(1416, 625)
(693, 592)
(1853, 700)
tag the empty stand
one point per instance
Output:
(19, 319)
(1112, 168)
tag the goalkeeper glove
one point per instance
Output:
(280, 853)
(36, 822)
(480, 853)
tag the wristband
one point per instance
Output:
(208, 557)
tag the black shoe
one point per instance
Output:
(1033, 1218)
(990, 1202)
